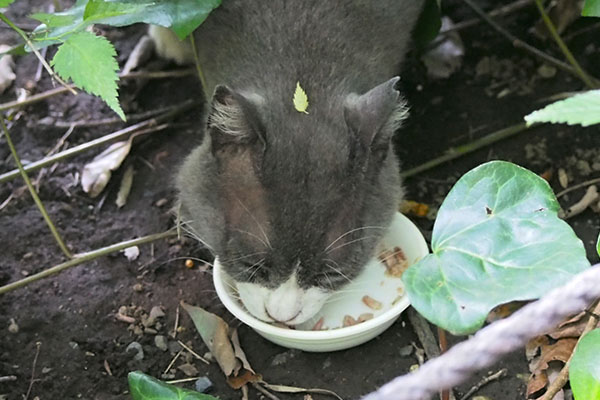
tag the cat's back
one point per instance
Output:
(359, 42)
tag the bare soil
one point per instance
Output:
(71, 316)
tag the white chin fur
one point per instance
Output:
(288, 303)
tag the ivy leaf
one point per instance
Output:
(144, 387)
(497, 238)
(5, 3)
(300, 99)
(89, 61)
(584, 372)
(591, 8)
(583, 109)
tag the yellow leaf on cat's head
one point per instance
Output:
(300, 99)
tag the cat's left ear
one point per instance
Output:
(374, 116)
(234, 119)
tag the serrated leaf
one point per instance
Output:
(497, 238)
(591, 8)
(5, 3)
(183, 16)
(300, 99)
(584, 372)
(583, 109)
(53, 20)
(144, 387)
(89, 61)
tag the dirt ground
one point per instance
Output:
(70, 317)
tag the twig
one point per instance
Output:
(192, 352)
(182, 380)
(443, 340)
(590, 197)
(84, 257)
(563, 375)
(498, 12)
(38, 345)
(563, 47)
(34, 194)
(264, 391)
(456, 152)
(8, 378)
(59, 90)
(173, 361)
(424, 333)
(100, 141)
(483, 382)
(37, 53)
(174, 335)
(578, 186)
(519, 43)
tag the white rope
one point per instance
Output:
(494, 341)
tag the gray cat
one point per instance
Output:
(293, 204)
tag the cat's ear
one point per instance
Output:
(374, 116)
(234, 120)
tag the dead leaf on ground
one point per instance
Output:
(551, 359)
(562, 13)
(572, 328)
(239, 353)
(125, 187)
(215, 334)
(504, 310)
(446, 57)
(7, 74)
(245, 377)
(97, 173)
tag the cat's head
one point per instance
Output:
(293, 209)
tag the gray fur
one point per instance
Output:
(271, 189)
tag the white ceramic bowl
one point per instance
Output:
(373, 281)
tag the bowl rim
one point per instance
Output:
(239, 312)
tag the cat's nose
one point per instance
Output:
(285, 303)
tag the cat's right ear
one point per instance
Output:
(234, 120)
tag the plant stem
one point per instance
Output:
(563, 47)
(520, 44)
(34, 194)
(456, 152)
(150, 124)
(83, 257)
(197, 62)
(36, 52)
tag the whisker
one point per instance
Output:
(352, 231)
(257, 223)
(254, 236)
(350, 242)
(338, 271)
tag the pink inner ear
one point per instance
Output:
(244, 198)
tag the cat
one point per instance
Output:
(293, 203)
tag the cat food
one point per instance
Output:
(319, 325)
(365, 317)
(395, 261)
(349, 321)
(372, 303)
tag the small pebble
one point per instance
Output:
(161, 342)
(137, 348)
(162, 202)
(188, 369)
(13, 327)
(138, 287)
(189, 263)
(203, 384)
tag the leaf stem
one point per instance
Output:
(36, 52)
(563, 47)
(150, 125)
(34, 194)
(83, 257)
(456, 152)
(197, 62)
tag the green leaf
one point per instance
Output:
(497, 238)
(300, 99)
(591, 8)
(53, 20)
(583, 109)
(429, 24)
(89, 61)
(5, 3)
(183, 16)
(584, 372)
(144, 387)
